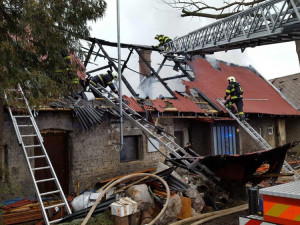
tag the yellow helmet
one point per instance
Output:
(156, 36)
(231, 79)
(115, 75)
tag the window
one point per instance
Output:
(132, 149)
(224, 140)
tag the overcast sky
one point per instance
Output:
(141, 20)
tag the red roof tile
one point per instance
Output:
(184, 104)
(213, 84)
(159, 104)
(133, 104)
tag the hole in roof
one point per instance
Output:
(214, 63)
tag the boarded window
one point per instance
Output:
(224, 140)
(132, 148)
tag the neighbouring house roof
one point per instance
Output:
(212, 82)
(290, 87)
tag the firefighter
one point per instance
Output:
(105, 80)
(162, 40)
(235, 91)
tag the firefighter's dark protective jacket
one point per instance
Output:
(104, 80)
(163, 40)
(235, 91)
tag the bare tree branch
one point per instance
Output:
(205, 9)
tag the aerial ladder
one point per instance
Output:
(258, 138)
(26, 129)
(270, 22)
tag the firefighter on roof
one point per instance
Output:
(162, 40)
(235, 91)
(105, 80)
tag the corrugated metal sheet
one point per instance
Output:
(133, 104)
(184, 104)
(159, 104)
(213, 83)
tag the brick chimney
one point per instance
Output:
(143, 67)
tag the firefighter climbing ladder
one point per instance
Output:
(258, 138)
(270, 22)
(162, 137)
(22, 124)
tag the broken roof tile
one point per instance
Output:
(184, 104)
(159, 104)
(132, 103)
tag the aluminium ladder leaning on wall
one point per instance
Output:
(26, 129)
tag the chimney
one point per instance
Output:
(144, 70)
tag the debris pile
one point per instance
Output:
(89, 113)
(27, 210)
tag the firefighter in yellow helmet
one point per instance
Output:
(163, 40)
(235, 91)
(105, 80)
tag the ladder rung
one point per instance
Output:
(41, 168)
(55, 221)
(36, 157)
(50, 193)
(25, 125)
(32, 146)
(53, 206)
(45, 180)
(29, 135)
(11, 89)
(21, 116)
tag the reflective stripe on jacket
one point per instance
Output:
(162, 40)
(231, 90)
(104, 80)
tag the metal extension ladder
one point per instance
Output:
(26, 129)
(161, 137)
(273, 21)
(258, 138)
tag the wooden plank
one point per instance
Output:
(186, 208)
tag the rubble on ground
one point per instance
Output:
(189, 197)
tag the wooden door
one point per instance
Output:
(56, 144)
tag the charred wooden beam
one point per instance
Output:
(112, 63)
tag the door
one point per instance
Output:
(225, 140)
(56, 144)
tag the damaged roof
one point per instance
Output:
(259, 95)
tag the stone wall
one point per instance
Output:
(293, 132)
(93, 155)
(264, 126)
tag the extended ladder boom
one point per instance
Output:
(26, 129)
(160, 136)
(258, 138)
(270, 22)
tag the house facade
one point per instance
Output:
(84, 157)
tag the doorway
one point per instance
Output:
(56, 145)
